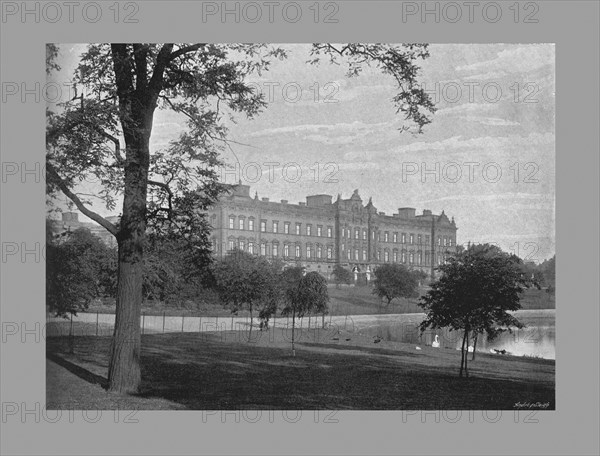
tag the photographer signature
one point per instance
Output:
(541, 405)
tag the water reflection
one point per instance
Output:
(537, 339)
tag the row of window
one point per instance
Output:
(416, 258)
(321, 252)
(288, 250)
(446, 241)
(244, 224)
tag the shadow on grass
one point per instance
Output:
(372, 351)
(207, 372)
(82, 373)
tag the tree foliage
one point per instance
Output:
(246, 282)
(78, 270)
(303, 294)
(395, 281)
(475, 293)
(341, 275)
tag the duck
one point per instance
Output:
(376, 339)
(417, 348)
(436, 342)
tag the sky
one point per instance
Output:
(487, 159)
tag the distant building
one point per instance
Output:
(70, 222)
(320, 232)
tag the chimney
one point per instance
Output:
(318, 200)
(301, 203)
(266, 200)
(284, 201)
(426, 212)
(406, 212)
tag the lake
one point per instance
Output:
(537, 339)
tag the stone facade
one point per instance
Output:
(319, 233)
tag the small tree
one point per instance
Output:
(395, 281)
(303, 294)
(477, 289)
(245, 281)
(341, 275)
(78, 270)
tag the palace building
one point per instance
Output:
(320, 233)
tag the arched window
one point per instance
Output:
(297, 251)
(231, 222)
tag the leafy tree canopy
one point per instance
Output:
(246, 281)
(78, 270)
(395, 281)
(476, 292)
(341, 275)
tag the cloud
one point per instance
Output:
(493, 121)
(317, 131)
(538, 198)
(481, 142)
(523, 59)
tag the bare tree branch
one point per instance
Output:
(112, 229)
(185, 50)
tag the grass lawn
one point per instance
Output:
(346, 300)
(210, 371)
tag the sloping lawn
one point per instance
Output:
(210, 371)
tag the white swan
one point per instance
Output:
(436, 342)
(470, 349)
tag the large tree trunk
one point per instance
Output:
(467, 354)
(124, 368)
(251, 324)
(293, 328)
(462, 354)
